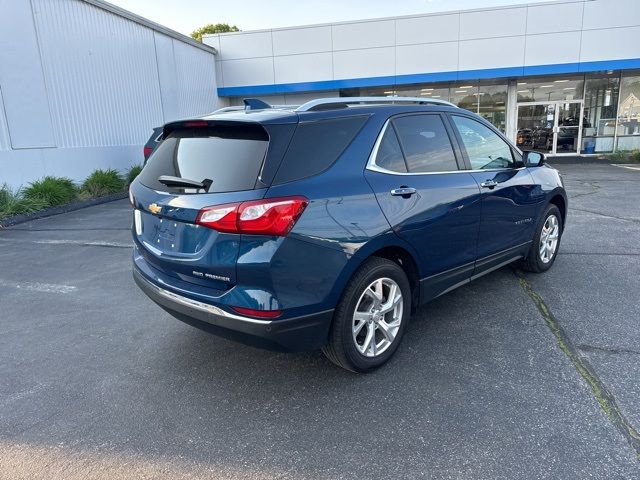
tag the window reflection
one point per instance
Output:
(493, 104)
(550, 88)
(600, 105)
(629, 113)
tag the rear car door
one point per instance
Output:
(427, 198)
(509, 194)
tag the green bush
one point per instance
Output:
(132, 173)
(53, 190)
(103, 182)
(12, 202)
(624, 156)
(619, 156)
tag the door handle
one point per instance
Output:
(489, 184)
(403, 191)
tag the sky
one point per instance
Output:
(188, 15)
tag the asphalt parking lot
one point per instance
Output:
(513, 376)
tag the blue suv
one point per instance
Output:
(324, 226)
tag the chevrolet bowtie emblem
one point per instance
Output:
(155, 208)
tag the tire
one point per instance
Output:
(364, 351)
(537, 261)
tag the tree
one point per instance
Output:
(213, 28)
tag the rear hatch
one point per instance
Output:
(229, 160)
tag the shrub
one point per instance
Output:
(13, 203)
(619, 156)
(132, 173)
(103, 182)
(53, 190)
(634, 156)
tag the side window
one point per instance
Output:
(389, 154)
(316, 146)
(484, 147)
(425, 144)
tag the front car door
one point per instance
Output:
(428, 199)
(510, 197)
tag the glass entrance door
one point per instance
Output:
(535, 127)
(568, 128)
(550, 127)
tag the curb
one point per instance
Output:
(57, 210)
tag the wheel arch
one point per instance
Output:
(560, 201)
(388, 246)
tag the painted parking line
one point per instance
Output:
(38, 287)
(628, 167)
(86, 243)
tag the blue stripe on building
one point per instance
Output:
(395, 80)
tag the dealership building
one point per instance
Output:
(561, 77)
(82, 82)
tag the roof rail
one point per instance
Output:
(344, 102)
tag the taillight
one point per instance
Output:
(196, 123)
(269, 216)
(147, 151)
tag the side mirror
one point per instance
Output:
(532, 159)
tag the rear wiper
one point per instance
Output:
(170, 181)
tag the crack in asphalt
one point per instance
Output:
(634, 220)
(601, 393)
(593, 185)
(612, 350)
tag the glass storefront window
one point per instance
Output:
(440, 92)
(600, 109)
(493, 104)
(551, 88)
(464, 95)
(629, 113)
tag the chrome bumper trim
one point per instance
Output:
(203, 307)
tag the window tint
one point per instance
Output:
(389, 153)
(425, 144)
(230, 156)
(316, 146)
(484, 147)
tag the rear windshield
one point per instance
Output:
(316, 146)
(229, 156)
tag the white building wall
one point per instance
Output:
(82, 87)
(341, 54)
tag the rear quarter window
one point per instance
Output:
(316, 146)
(230, 156)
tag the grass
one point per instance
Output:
(624, 156)
(12, 202)
(103, 182)
(53, 190)
(132, 173)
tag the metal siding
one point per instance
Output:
(100, 72)
(196, 79)
(5, 141)
(167, 76)
(25, 95)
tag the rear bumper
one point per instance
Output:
(303, 333)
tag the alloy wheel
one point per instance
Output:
(377, 317)
(549, 238)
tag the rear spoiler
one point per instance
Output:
(253, 129)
